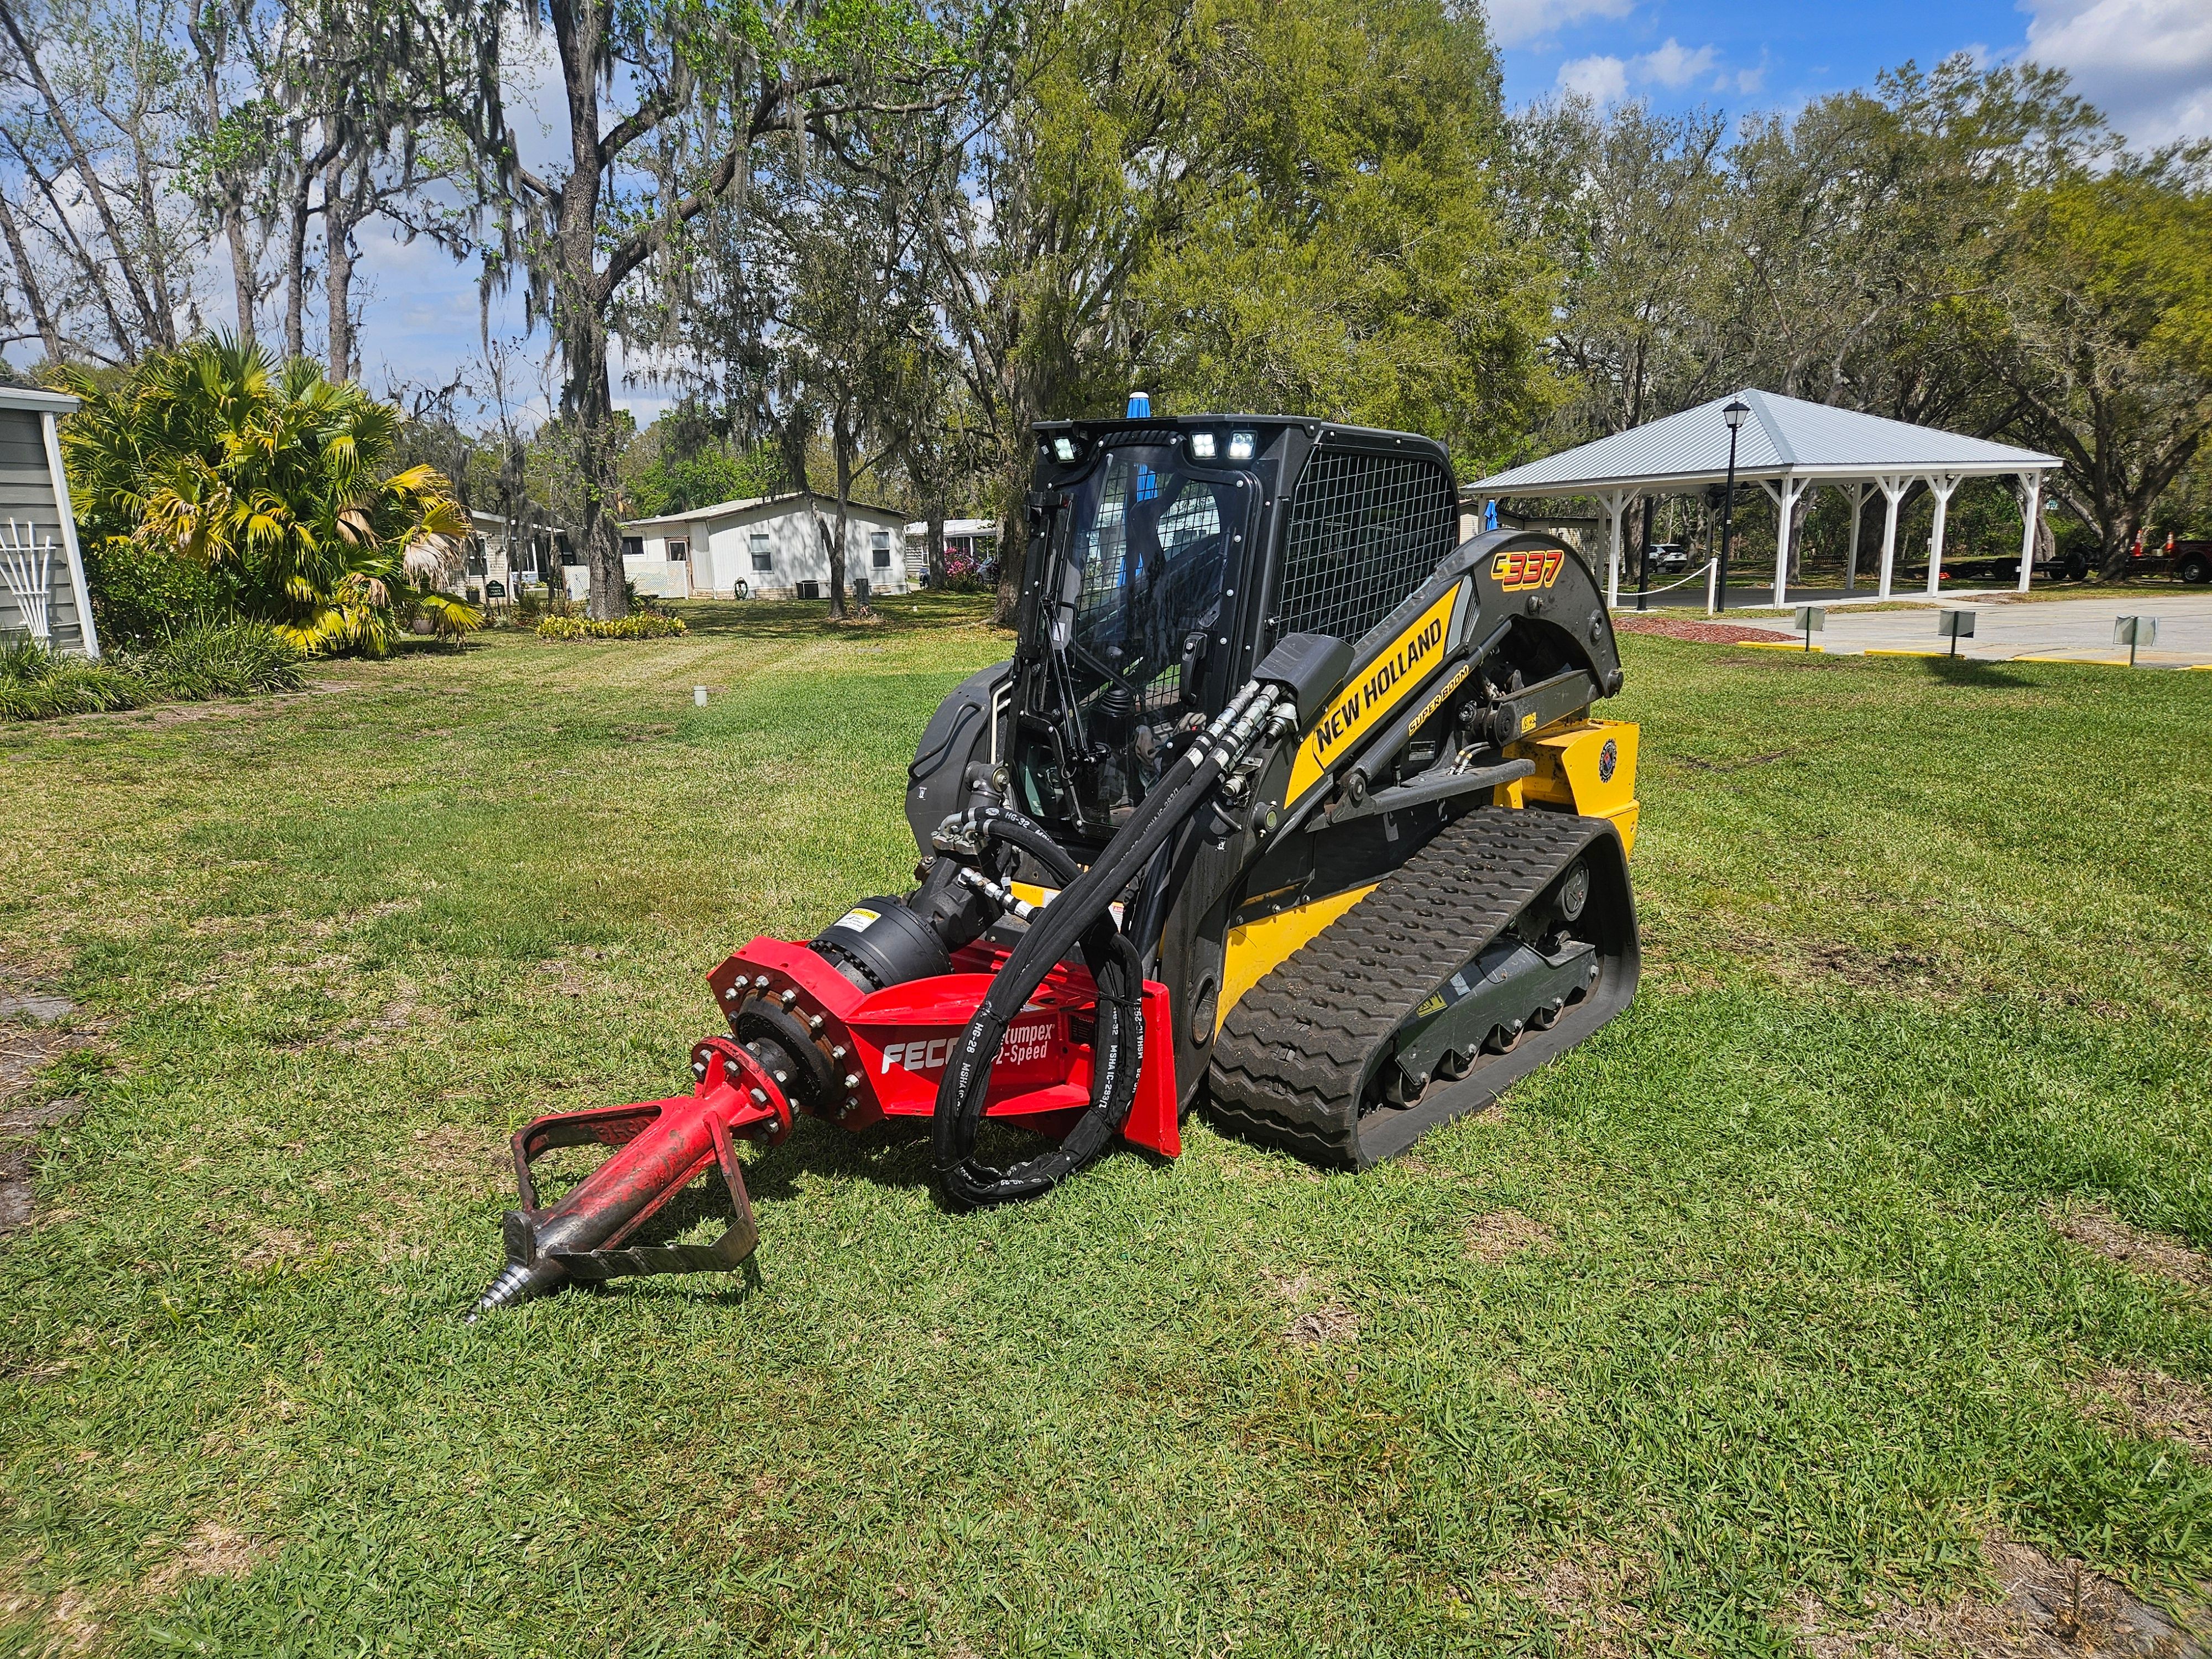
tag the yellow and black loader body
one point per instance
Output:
(1417, 895)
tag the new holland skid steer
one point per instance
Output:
(1289, 804)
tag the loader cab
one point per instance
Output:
(1166, 555)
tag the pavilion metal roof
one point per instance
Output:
(1781, 437)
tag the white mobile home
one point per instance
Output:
(43, 598)
(968, 545)
(508, 554)
(777, 547)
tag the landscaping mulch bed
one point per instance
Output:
(1704, 633)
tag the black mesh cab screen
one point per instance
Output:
(1366, 530)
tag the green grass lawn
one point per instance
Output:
(1756, 1308)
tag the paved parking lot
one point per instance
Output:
(2065, 630)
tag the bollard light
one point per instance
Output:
(699, 695)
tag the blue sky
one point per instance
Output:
(2147, 62)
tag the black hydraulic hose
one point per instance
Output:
(1147, 913)
(1082, 913)
(1019, 829)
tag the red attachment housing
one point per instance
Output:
(893, 1043)
(887, 1048)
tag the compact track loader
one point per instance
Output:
(1290, 803)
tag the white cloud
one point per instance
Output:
(1516, 22)
(2146, 63)
(1674, 64)
(1749, 81)
(1601, 80)
(1605, 79)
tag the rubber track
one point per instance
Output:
(1295, 1053)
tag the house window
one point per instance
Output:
(678, 552)
(633, 547)
(879, 549)
(762, 560)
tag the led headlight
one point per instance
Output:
(1201, 445)
(1064, 447)
(1240, 446)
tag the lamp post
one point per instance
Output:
(1733, 415)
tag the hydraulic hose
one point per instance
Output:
(1081, 913)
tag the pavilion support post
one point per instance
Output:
(1892, 491)
(1943, 486)
(1617, 503)
(1786, 492)
(1851, 558)
(2032, 503)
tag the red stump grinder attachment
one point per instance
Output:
(902, 1007)
(809, 1039)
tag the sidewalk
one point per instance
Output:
(2053, 630)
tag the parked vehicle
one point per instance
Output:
(1669, 556)
(2190, 560)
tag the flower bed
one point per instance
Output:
(638, 625)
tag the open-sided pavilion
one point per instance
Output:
(1789, 447)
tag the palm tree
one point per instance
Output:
(267, 475)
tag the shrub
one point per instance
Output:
(139, 592)
(192, 664)
(226, 658)
(35, 684)
(638, 625)
(268, 479)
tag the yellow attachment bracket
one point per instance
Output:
(1587, 766)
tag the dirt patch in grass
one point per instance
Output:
(276, 1244)
(213, 1551)
(2099, 1230)
(75, 1629)
(1805, 963)
(2045, 1609)
(1333, 1323)
(1504, 1233)
(1316, 1327)
(1591, 1594)
(26, 1047)
(31, 1037)
(1703, 633)
(2153, 1403)
(1868, 969)
(460, 1149)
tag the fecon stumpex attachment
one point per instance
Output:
(1288, 802)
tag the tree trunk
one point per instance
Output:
(841, 440)
(2115, 540)
(591, 403)
(933, 545)
(229, 206)
(1014, 546)
(160, 326)
(580, 299)
(295, 270)
(28, 279)
(338, 270)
